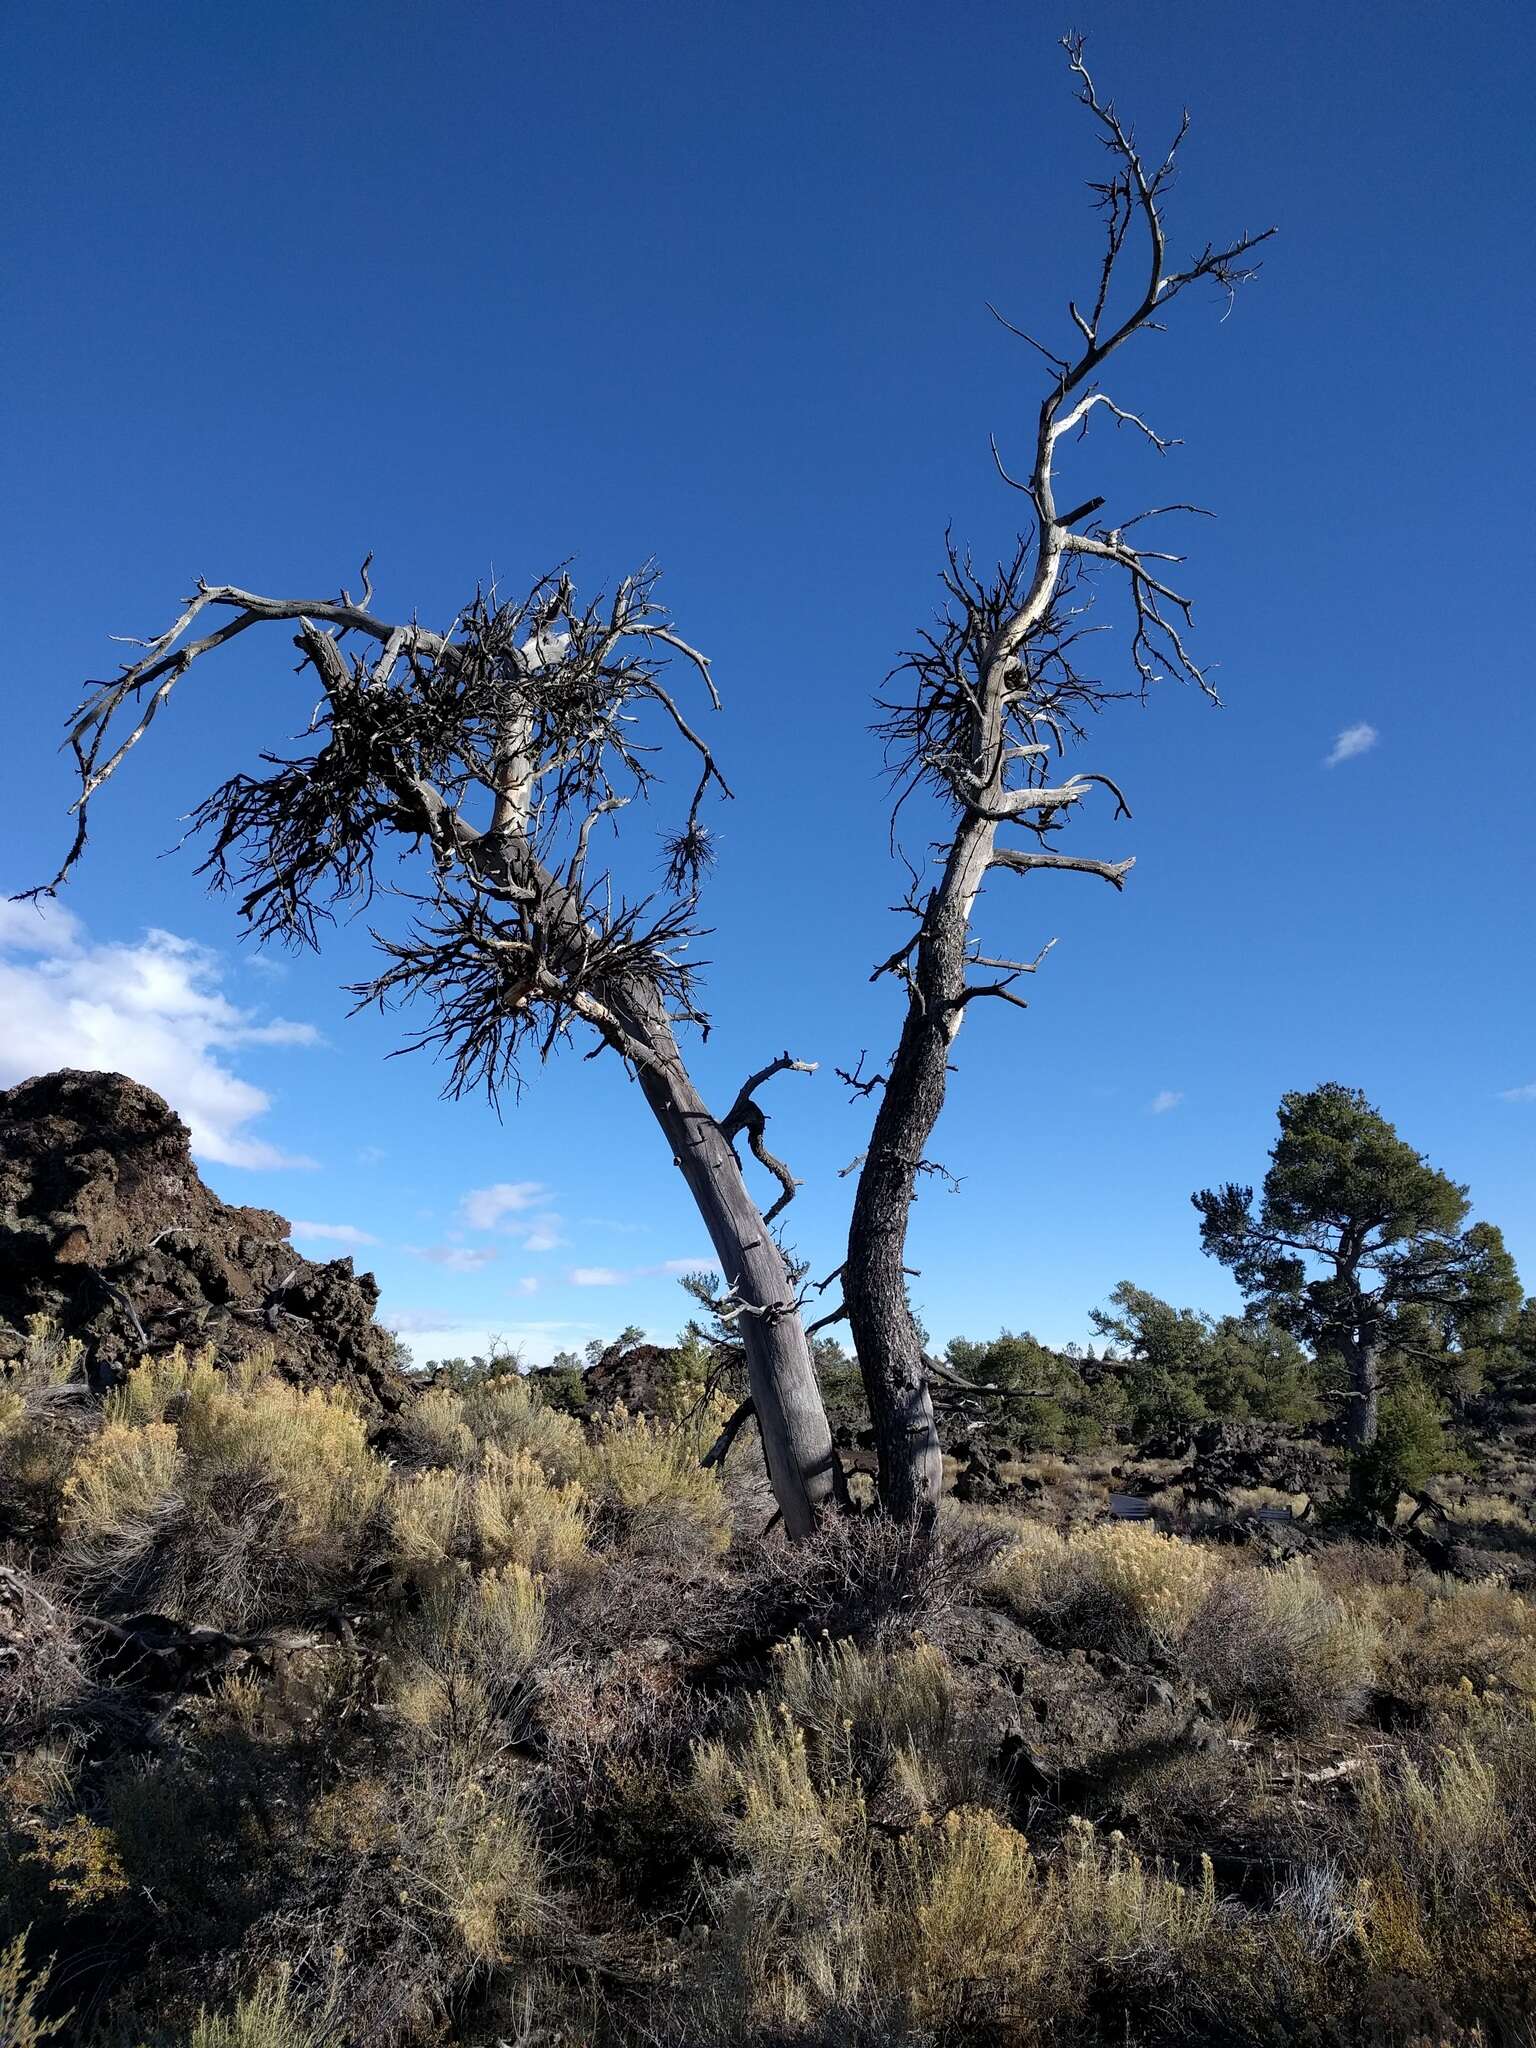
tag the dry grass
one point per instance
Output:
(21, 2025)
(560, 1769)
(1279, 1645)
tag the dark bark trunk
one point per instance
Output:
(885, 1335)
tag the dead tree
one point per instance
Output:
(991, 699)
(471, 771)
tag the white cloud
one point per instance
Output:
(612, 1276)
(1351, 742)
(1164, 1100)
(485, 1208)
(544, 1235)
(370, 1155)
(153, 1010)
(528, 1283)
(457, 1258)
(1525, 1093)
(332, 1233)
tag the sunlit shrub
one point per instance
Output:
(650, 1488)
(965, 1909)
(219, 1495)
(1125, 1589)
(468, 1649)
(267, 2017)
(34, 1390)
(507, 1412)
(504, 1511)
(432, 1429)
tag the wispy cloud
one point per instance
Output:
(544, 1234)
(486, 1208)
(1353, 741)
(596, 1276)
(615, 1276)
(1525, 1093)
(528, 1283)
(153, 1009)
(1164, 1100)
(457, 1258)
(331, 1233)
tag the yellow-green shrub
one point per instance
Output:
(34, 1452)
(218, 1493)
(965, 1909)
(505, 1511)
(432, 1429)
(468, 1650)
(1111, 1588)
(266, 2017)
(469, 1859)
(507, 1412)
(651, 1489)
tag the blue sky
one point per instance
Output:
(485, 285)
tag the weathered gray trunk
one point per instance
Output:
(1363, 1419)
(786, 1396)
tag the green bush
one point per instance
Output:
(1411, 1448)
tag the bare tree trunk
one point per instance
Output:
(785, 1393)
(1362, 1416)
(885, 1335)
(996, 691)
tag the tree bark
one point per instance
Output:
(885, 1335)
(1364, 1416)
(786, 1395)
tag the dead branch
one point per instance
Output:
(720, 1448)
(746, 1114)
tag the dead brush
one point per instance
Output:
(1278, 1645)
(864, 1576)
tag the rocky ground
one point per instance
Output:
(339, 1709)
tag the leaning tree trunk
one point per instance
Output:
(785, 1393)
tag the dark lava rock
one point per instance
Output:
(107, 1228)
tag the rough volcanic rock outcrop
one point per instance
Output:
(106, 1226)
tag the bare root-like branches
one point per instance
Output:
(500, 749)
